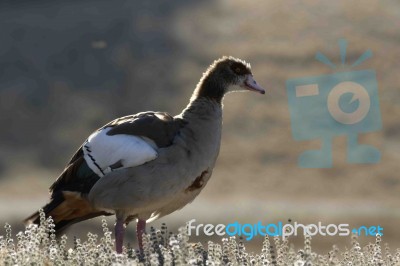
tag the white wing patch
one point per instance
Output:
(102, 151)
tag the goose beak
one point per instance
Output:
(251, 85)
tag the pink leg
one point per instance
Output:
(119, 235)
(140, 230)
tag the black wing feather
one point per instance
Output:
(158, 126)
(75, 182)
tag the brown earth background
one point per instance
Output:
(68, 67)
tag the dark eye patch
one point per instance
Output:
(239, 69)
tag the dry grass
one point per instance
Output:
(38, 245)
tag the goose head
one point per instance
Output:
(226, 74)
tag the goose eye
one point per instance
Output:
(237, 70)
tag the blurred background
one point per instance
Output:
(68, 67)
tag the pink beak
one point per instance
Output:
(251, 85)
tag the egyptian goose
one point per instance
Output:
(144, 166)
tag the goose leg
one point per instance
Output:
(119, 234)
(140, 230)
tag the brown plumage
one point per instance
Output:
(148, 165)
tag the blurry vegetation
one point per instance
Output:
(67, 68)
